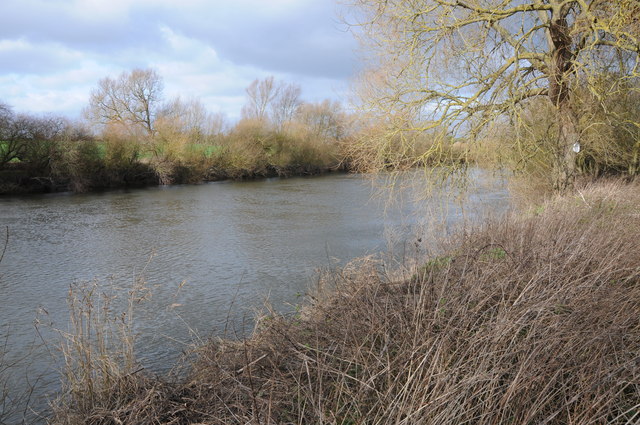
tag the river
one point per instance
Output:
(210, 255)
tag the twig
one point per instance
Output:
(251, 364)
(6, 243)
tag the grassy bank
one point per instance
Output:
(528, 320)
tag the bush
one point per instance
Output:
(611, 135)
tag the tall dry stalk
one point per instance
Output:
(100, 365)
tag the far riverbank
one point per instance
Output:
(15, 179)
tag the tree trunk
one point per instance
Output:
(568, 137)
(561, 67)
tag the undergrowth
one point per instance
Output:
(531, 319)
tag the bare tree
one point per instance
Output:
(29, 138)
(190, 118)
(286, 104)
(10, 147)
(217, 123)
(260, 94)
(271, 101)
(461, 65)
(6, 115)
(131, 100)
(325, 119)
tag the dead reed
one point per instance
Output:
(100, 372)
(527, 320)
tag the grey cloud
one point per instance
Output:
(313, 44)
(310, 44)
(306, 44)
(48, 22)
(294, 52)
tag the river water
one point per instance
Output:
(211, 255)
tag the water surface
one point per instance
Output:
(211, 254)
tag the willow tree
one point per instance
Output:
(453, 67)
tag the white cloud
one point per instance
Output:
(24, 57)
(193, 69)
(65, 92)
(53, 52)
(13, 45)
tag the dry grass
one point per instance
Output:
(529, 320)
(100, 373)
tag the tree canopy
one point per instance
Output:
(271, 100)
(458, 66)
(131, 100)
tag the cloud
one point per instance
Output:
(52, 52)
(63, 93)
(23, 57)
(305, 39)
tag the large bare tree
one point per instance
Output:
(326, 119)
(132, 100)
(459, 65)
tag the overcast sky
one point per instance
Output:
(53, 52)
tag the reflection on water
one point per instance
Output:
(232, 244)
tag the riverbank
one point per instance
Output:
(77, 161)
(16, 179)
(529, 319)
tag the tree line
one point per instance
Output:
(133, 136)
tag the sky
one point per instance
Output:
(54, 52)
